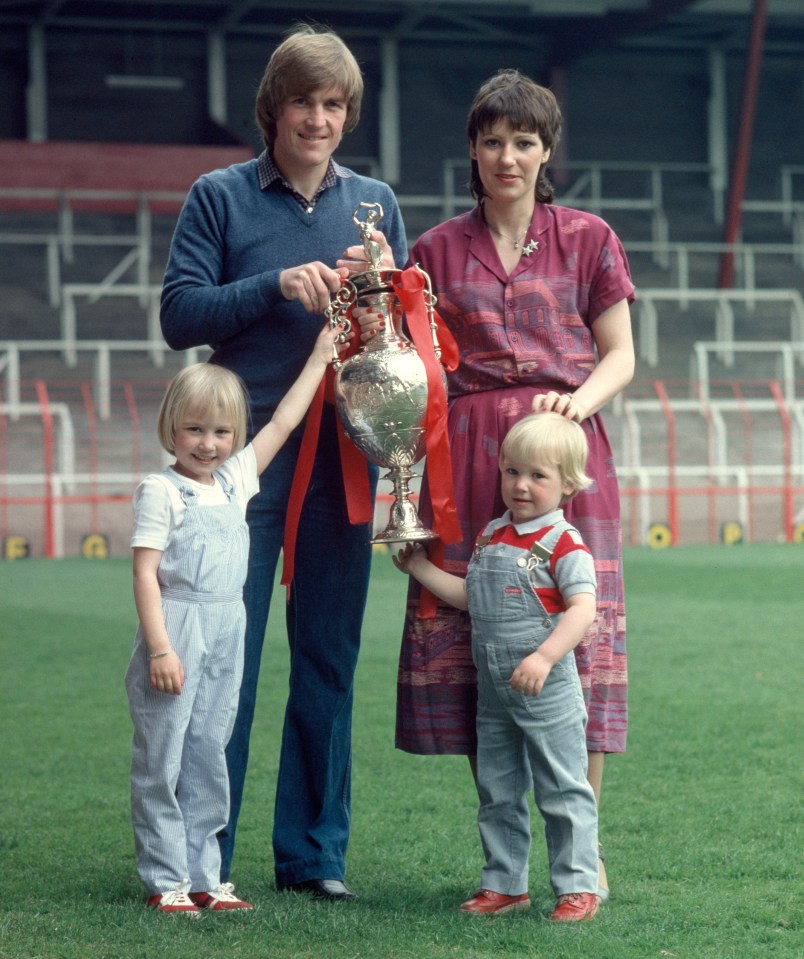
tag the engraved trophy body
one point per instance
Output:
(381, 392)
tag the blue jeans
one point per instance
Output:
(324, 620)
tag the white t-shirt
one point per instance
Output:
(159, 508)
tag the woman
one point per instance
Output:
(537, 297)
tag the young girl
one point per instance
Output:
(530, 592)
(190, 547)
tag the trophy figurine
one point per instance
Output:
(381, 392)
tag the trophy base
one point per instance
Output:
(392, 535)
(404, 525)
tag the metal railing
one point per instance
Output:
(724, 325)
(103, 351)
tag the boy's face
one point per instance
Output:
(530, 489)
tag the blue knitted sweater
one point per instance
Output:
(232, 241)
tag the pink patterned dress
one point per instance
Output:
(518, 335)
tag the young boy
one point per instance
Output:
(530, 592)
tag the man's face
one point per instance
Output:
(309, 130)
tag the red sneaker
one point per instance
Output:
(173, 901)
(485, 901)
(219, 899)
(575, 907)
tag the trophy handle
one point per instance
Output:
(430, 302)
(337, 312)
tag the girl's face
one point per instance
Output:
(202, 441)
(531, 488)
(508, 162)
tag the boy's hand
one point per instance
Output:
(531, 674)
(167, 674)
(407, 558)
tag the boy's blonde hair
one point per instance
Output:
(554, 439)
(203, 387)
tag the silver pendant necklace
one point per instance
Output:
(529, 248)
(511, 240)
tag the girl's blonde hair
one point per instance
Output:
(203, 387)
(553, 439)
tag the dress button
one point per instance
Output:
(521, 561)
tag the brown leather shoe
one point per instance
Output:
(486, 901)
(575, 907)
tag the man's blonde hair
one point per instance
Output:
(203, 387)
(553, 439)
(309, 59)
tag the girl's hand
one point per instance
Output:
(167, 674)
(562, 403)
(327, 342)
(531, 674)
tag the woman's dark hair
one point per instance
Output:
(512, 97)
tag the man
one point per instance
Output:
(258, 249)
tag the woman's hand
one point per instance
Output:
(562, 403)
(370, 320)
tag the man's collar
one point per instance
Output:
(268, 172)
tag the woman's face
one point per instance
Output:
(508, 162)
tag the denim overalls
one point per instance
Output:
(526, 740)
(179, 782)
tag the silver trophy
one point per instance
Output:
(381, 392)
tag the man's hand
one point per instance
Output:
(311, 284)
(354, 258)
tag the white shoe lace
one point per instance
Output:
(176, 897)
(224, 893)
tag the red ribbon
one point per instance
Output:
(354, 469)
(409, 287)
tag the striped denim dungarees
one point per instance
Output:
(179, 781)
(526, 741)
